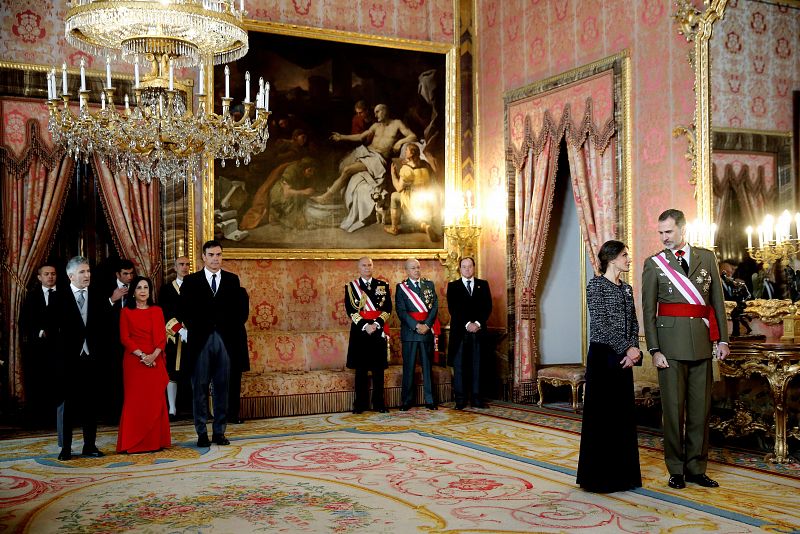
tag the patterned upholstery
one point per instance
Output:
(562, 375)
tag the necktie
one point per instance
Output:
(214, 283)
(682, 261)
(416, 286)
(124, 297)
(81, 299)
(469, 287)
(49, 296)
(368, 284)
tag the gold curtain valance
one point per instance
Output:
(575, 135)
(34, 148)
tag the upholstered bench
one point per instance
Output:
(562, 375)
(285, 393)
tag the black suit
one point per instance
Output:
(464, 351)
(37, 357)
(75, 371)
(214, 325)
(112, 381)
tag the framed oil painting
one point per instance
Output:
(361, 145)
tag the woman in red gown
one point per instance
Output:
(144, 425)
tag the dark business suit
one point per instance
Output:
(413, 342)
(214, 324)
(464, 351)
(37, 355)
(76, 373)
(684, 341)
(111, 380)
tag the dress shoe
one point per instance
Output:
(237, 421)
(93, 452)
(65, 455)
(405, 408)
(220, 439)
(478, 404)
(357, 411)
(702, 480)
(173, 418)
(202, 441)
(460, 406)
(676, 481)
(431, 406)
(383, 410)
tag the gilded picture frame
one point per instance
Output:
(317, 77)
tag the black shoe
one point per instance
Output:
(460, 406)
(173, 418)
(202, 441)
(220, 439)
(355, 411)
(478, 404)
(93, 452)
(383, 410)
(405, 408)
(702, 480)
(431, 406)
(237, 421)
(65, 455)
(676, 481)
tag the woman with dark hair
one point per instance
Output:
(609, 456)
(144, 424)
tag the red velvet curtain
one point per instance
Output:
(34, 189)
(132, 209)
(593, 176)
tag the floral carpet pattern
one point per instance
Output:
(419, 471)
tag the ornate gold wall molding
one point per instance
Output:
(696, 26)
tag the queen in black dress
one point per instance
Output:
(609, 455)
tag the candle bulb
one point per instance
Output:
(202, 88)
(241, 6)
(266, 96)
(161, 105)
(83, 75)
(102, 101)
(247, 87)
(171, 76)
(227, 82)
(108, 72)
(749, 231)
(797, 224)
(136, 73)
(127, 103)
(64, 79)
(49, 87)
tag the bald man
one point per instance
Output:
(417, 306)
(168, 299)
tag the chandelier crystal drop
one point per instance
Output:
(155, 135)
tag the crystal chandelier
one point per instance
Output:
(775, 241)
(155, 136)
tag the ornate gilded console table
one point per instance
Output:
(778, 363)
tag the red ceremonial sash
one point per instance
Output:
(371, 316)
(692, 310)
(363, 296)
(421, 316)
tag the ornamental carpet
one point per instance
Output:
(419, 471)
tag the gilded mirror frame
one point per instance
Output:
(697, 26)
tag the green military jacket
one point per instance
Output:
(682, 338)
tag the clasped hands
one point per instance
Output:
(632, 356)
(148, 359)
(422, 328)
(371, 328)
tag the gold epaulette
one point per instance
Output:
(385, 316)
(355, 317)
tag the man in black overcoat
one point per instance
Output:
(368, 304)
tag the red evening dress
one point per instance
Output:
(144, 425)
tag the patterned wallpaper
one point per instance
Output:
(755, 53)
(521, 42)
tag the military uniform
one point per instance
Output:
(685, 340)
(410, 316)
(368, 352)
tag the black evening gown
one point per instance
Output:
(609, 455)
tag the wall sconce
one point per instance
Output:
(462, 229)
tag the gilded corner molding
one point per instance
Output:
(696, 27)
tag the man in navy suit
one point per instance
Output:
(210, 308)
(417, 306)
(79, 324)
(470, 303)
